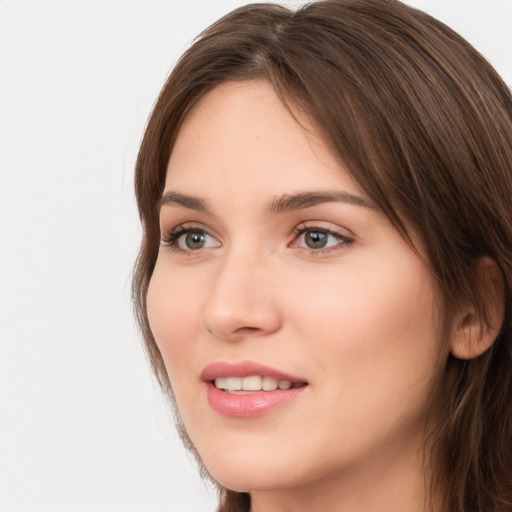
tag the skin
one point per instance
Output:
(357, 320)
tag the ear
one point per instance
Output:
(473, 335)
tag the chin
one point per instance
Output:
(244, 480)
(259, 470)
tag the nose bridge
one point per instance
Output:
(240, 301)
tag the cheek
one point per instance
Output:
(172, 307)
(172, 312)
(376, 327)
(373, 303)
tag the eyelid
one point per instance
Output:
(344, 239)
(171, 239)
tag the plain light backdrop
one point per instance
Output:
(82, 424)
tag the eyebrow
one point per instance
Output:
(177, 199)
(303, 200)
(280, 204)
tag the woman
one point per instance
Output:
(324, 282)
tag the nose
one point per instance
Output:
(242, 299)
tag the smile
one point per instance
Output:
(247, 389)
(254, 383)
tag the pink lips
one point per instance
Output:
(247, 405)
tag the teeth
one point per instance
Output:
(233, 383)
(220, 382)
(251, 383)
(269, 383)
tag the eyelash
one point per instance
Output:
(172, 239)
(344, 241)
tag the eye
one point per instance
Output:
(319, 239)
(189, 239)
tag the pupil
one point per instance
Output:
(316, 239)
(195, 240)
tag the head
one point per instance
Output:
(419, 127)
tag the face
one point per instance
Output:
(299, 330)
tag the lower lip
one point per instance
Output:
(249, 405)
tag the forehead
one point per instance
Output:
(241, 136)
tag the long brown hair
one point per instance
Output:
(424, 124)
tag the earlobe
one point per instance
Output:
(473, 335)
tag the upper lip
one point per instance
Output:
(244, 369)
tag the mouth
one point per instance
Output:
(254, 384)
(248, 389)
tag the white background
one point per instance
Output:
(82, 425)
